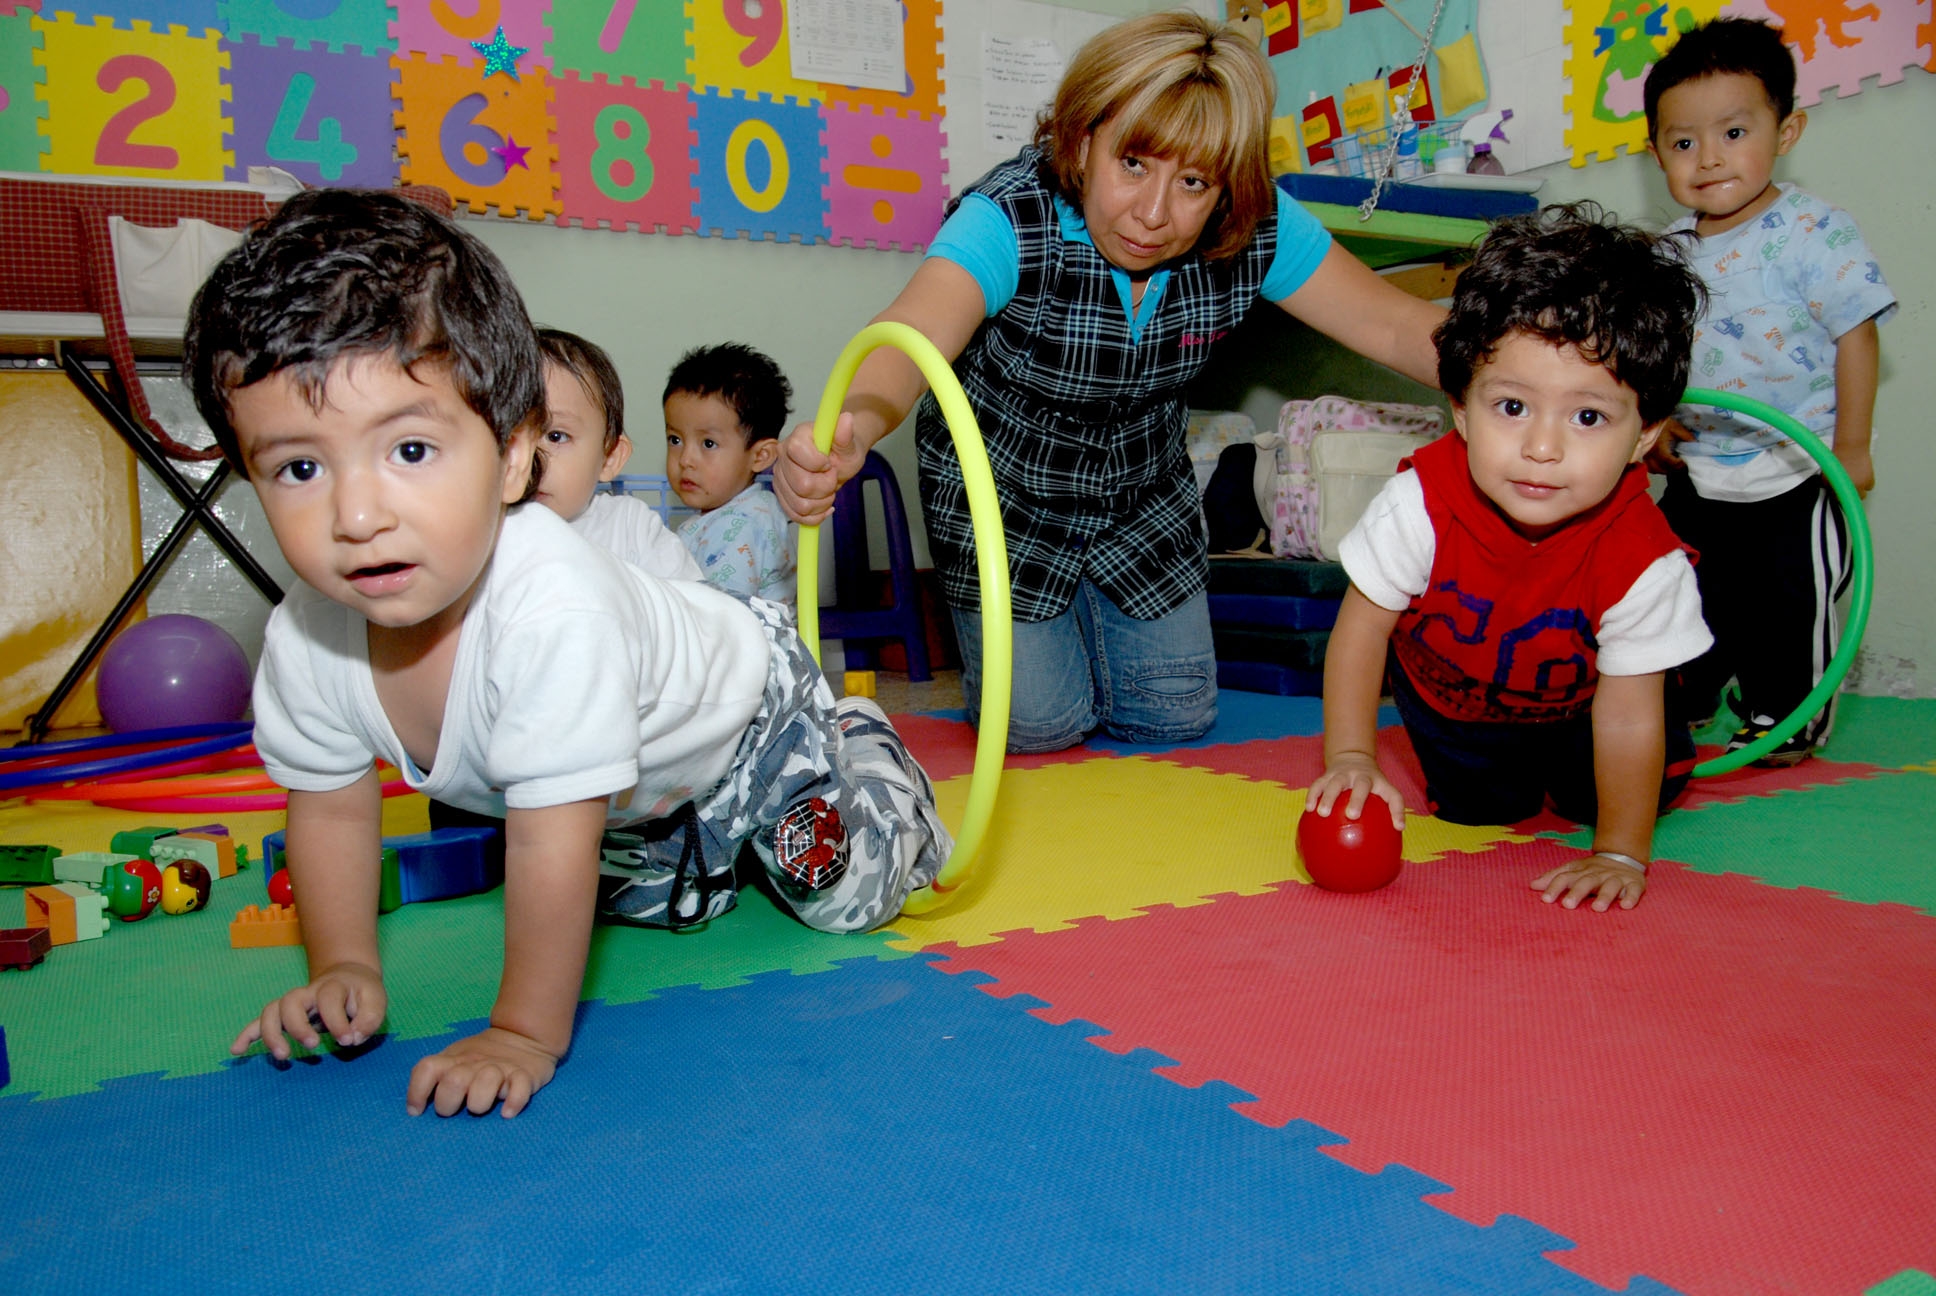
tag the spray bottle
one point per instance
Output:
(1480, 131)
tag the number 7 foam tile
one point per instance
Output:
(625, 155)
(486, 141)
(137, 103)
(323, 117)
(640, 40)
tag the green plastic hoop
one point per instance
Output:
(1862, 581)
(997, 623)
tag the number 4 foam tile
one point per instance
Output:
(162, 116)
(625, 155)
(362, 24)
(487, 142)
(324, 117)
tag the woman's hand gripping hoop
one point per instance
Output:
(998, 647)
(1860, 589)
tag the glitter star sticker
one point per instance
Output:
(511, 153)
(500, 55)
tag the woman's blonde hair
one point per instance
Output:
(1179, 86)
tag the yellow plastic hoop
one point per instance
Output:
(997, 621)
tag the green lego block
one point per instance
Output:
(139, 841)
(85, 866)
(27, 865)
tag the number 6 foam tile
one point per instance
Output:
(435, 28)
(487, 143)
(338, 24)
(133, 103)
(323, 117)
(884, 178)
(625, 155)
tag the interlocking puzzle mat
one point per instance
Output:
(1191, 1071)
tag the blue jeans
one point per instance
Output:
(1095, 668)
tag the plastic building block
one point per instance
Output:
(259, 928)
(858, 683)
(23, 947)
(209, 830)
(139, 841)
(216, 854)
(27, 865)
(85, 866)
(69, 911)
(389, 896)
(435, 865)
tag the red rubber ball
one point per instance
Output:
(1343, 854)
(279, 889)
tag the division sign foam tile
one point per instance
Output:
(1722, 1089)
(884, 178)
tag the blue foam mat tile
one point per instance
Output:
(875, 1128)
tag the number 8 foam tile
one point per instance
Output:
(486, 142)
(642, 40)
(921, 46)
(759, 168)
(743, 45)
(625, 155)
(435, 28)
(133, 103)
(884, 178)
(323, 117)
(343, 24)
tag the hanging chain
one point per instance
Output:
(1402, 118)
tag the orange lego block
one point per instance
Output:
(69, 911)
(224, 851)
(259, 928)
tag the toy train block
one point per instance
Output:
(259, 928)
(27, 865)
(436, 865)
(69, 911)
(23, 947)
(139, 841)
(85, 866)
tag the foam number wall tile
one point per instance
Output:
(759, 168)
(743, 45)
(196, 16)
(338, 24)
(624, 154)
(322, 116)
(1609, 45)
(485, 140)
(884, 178)
(133, 103)
(641, 39)
(20, 110)
(921, 47)
(438, 27)
(1840, 44)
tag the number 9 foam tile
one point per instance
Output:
(324, 117)
(133, 103)
(625, 155)
(486, 141)
(734, 48)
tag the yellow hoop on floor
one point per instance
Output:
(997, 622)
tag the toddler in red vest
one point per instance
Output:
(1530, 593)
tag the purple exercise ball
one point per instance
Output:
(172, 670)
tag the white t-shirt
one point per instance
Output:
(631, 529)
(1655, 627)
(576, 676)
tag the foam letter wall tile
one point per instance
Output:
(644, 40)
(20, 109)
(921, 46)
(1841, 44)
(1610, 44)
(133, 103)
(322, 116)
(625, 155)
(884, 178)
(734, 48)
(759, 168)
(486, 141)
(196, 16)
(364, 24)
(436, 27)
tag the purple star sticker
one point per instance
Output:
(511, 153)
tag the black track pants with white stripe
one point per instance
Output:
(1770, 572)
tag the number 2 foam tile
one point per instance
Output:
(362, 24)
(20, 108)
(885, 177)
(323, 116)
(625, 155)
(162, 116)
(487, 142)
(760, 168)
(435, 28)
(639, 40)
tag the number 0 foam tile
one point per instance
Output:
(169, 102)
(760, 168)
(284, 96)
(1721, 1089)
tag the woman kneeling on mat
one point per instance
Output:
(1078, 288)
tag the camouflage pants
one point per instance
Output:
(826, 794)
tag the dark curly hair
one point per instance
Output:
(746, 379)
(337, 273)
(1575, 276)
(1726, 46)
